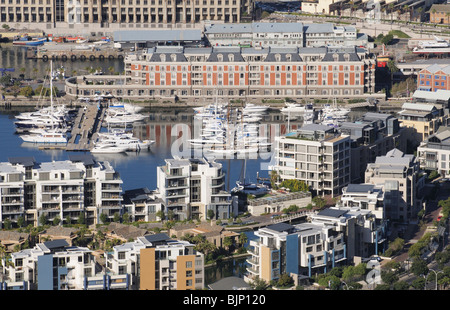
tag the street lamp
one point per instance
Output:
(436, 273)
(346, 286)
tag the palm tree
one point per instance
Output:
(391, 10)
(405, 9)
(392, 69)
(420, 10)
(434, 15)
(243, 239)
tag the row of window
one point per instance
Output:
(436, 77)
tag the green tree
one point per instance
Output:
(418, 283)
(419, 267)
(285, 281)
(319, 202)
(7, 224)
(295, 185)
(161, 215)
(274, 177)
(228, 242)
(26, 91)
(81, 218)
(401, 286)
(211, 214)
(116, 217)
(243, 238)
(20, 221)
(42, 219)
(259, 284)
(56, 220)
(126, 217)
(5, 80)
(103, 218)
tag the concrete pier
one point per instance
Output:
(85, 128)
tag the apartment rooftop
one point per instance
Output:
(7, 168)
(315, 132)
(58, 166)
(439, 140)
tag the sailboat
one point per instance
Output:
(247, 188)
(45, 135)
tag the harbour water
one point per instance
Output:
(138, 169)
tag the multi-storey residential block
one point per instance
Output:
(398, 174)
(364, 233)
(317, 155)
(11, 193)
(155, 262)
(334, 237)
(142, 205)
(189, 188)
(373, 134)
(54, 265)
(434, 77)
(59, 189)
(283, 35)
(366, 197)
(176, 72)
(96, 14)
(434, 152)
(421, 119)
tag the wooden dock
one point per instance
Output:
(85, 128)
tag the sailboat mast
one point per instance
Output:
(51, 92)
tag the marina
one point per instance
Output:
(258, 152)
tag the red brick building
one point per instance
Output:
(434, 77)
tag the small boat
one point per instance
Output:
(27, 41)
(108, 148)
(46, 136)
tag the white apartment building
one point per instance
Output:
(158, 262)
(317, 155)
(11, 193)
(335, 236)
(365, 197)
(305, 249)
(142, 204)
(434, 152)
(51, 265)
(59, 189)
(398, 174)
(365, 234)
(191, 187)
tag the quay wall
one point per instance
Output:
(11, 102)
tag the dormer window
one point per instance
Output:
(173, 57)
(230, 57)
(162, 57)
(277, 57)
(220, 57)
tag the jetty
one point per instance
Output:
(85, 128)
